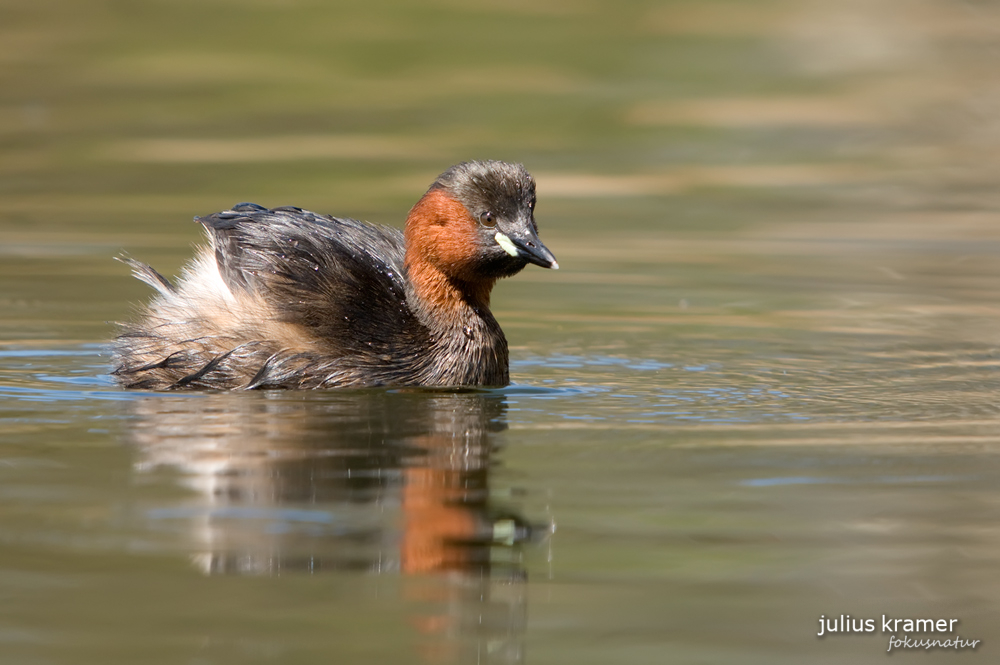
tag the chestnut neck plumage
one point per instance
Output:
(440, 254)
(450, 298)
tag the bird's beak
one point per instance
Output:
(528, 247)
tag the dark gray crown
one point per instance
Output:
(501, 187)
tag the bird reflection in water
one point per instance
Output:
(375, 481)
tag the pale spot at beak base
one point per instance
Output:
(506, 244)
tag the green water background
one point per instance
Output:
(761, 389)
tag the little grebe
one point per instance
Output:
(287, 298)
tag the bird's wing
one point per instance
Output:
(341, 279)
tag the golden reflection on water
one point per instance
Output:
(377, 482)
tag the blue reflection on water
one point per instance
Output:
(596, 388)
(242, 513)
(813, 480)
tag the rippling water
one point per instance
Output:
(760, 391)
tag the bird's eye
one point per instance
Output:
(531, 204)
(487, 219)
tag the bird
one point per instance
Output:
(285, 298)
